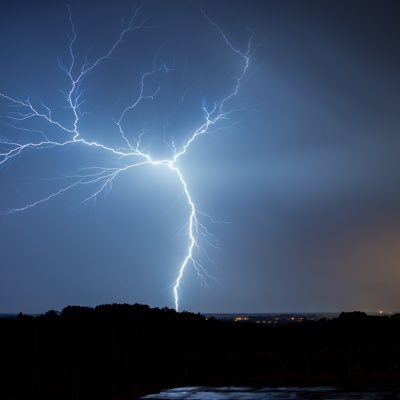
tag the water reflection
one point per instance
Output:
(268, 393)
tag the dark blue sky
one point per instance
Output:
(305, 173)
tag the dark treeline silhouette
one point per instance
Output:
(120, 351)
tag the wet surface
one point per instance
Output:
(268, 393)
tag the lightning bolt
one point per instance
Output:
(131, 154)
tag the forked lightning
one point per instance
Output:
(131, 154)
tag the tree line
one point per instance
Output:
(120, 351)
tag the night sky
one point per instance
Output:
(304, 175)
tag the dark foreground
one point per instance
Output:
(124, 351)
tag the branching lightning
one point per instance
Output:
(131, 154)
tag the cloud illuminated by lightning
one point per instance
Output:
(132, 153)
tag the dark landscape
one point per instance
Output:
(122, 351)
